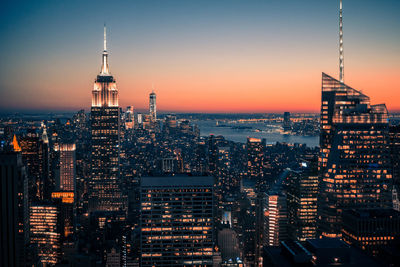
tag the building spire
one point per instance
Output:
(105, 37)
(104, 66)
(341, 56)
(16, 146)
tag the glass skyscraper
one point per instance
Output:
(354, 161)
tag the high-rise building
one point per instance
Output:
(129, 118)
(35, 155)
(14, 226)
(45, 232)
(302, 192)
(394, 134)
(213, 143)
(67, 167)
(287, 125)
(354, 164)
(255, 157)
(255, 172)
(104, 187)
(65, 202)
(275, 220)
(177, 227)
(355, 159)
(153, 106)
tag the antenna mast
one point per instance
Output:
(341, 56)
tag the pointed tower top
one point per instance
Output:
(16, 146)
(341, 55)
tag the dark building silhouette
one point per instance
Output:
(14, 226)
(371, 230)
(287, 125)
(35, 155)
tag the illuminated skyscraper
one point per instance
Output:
(354, 164)
(67, 167)
(129, 118)
(355, 161)
(255, 172)
(45, 232)
(275, 219)
(177, 227)
(302, 192)
(104, 189)
(153, 106)
(255, 157)
(35, 155)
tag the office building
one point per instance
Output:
(275, 219)
(355, 160)
(45, 232)
(355, 165)
(177, 227)
(35, 156)
(255, 158)
(129, 118)
(153, 106)
(67, 167)
(302, 192)
(104, 186)
(287, 125)
(14, 225)
(371, 230)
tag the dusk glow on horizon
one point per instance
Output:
(201, 56)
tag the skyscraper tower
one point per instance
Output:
(104, 187)
(354, 161)
(354, 164)
(153, 106)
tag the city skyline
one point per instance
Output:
(209, 55)
(242, 171)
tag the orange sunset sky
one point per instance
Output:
(202, 56)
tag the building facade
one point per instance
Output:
(371, 230)
(45, 232)
(177, 227)
(354, 163)
(67, 167)
(302, 193)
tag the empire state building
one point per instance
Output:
(104, 187)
